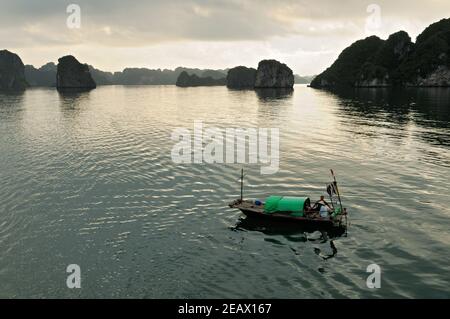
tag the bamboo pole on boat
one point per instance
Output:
(337, 190)
(340, 202)
(242, 184)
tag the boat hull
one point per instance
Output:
(254, 211)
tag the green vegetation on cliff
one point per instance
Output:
(396, 61)
(431, 52)
(346, 70)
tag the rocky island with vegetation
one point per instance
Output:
(397, 61)
(274, 74)
(12, 72)
(270, 74)
(241, 77)
(71, 74)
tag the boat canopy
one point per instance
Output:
(275, 204)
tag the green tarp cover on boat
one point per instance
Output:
(275, 204)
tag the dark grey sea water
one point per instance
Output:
(88, 179)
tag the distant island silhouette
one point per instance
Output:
(185, 80)
(371, 62)
(17, 76)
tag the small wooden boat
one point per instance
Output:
(295, 209)
(251, 209)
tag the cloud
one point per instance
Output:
(290, 28)
(139, 23)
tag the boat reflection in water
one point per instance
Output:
(294, 232)
(275, 227)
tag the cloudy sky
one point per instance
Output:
(114, 34)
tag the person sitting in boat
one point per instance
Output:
(322, 206)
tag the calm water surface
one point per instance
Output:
(88, 179)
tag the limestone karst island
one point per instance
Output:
(232, 157)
